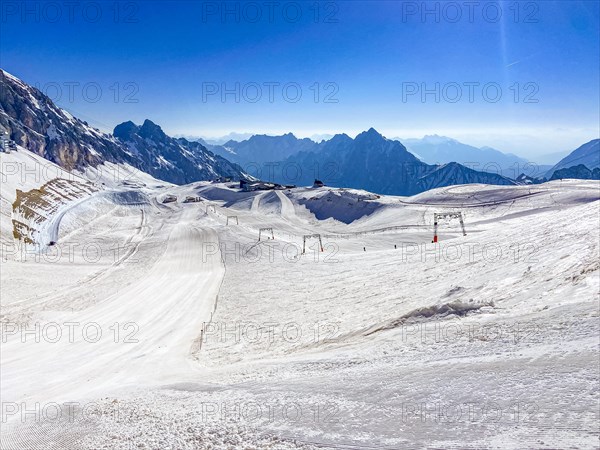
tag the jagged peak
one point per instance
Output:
(340, 136)
(148, 129)
(125, 130)
(151, 130)
(338, 139)
(148, 124)
(371, 133)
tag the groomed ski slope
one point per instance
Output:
(488, 340)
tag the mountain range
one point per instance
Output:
(33, 121)
(176, 160)
(377, 164)
(260, 148)
(259, 153)
(370, 161)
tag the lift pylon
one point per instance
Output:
(446, 215)
(266, 230)
(308, 236)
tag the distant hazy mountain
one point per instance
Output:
(260, 155)
(221, 140)
(35, 122)
(442, 150)
(550, 159)
(220, 149)
(588, 155)
(374, 163)
(262, 148)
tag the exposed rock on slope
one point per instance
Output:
(36, 123)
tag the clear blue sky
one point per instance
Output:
(371, 53)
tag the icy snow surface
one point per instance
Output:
(158, 326)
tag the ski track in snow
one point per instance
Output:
(361, 346)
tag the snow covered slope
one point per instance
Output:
(36, 193)
(35, 190)
(198, 335)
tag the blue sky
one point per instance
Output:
(357, 65)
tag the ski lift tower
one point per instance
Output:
(309, 236)
(447, 215)
(266, 230)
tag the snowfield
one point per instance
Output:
(151, 325)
